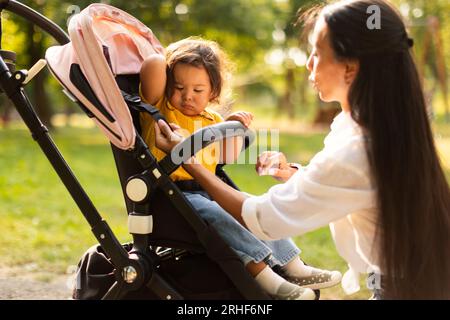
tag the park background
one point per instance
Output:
(42, 232)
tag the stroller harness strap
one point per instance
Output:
(105, 42)
(135, 102)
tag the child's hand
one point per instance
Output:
(244, 117)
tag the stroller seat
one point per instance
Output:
(180, 255)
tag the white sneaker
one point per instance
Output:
(290, 291)
(319, 279)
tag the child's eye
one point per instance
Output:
(178, 88)
(198, 90)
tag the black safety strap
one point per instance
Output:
(135, 102)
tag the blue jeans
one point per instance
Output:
(242, 241)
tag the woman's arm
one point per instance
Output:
(336, 183)
(153, 78)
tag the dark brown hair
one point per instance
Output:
(387, 100)
(199, 52)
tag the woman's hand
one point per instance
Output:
(244, 117)
(167, 137)
(274, 163)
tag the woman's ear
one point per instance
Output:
(351, 71)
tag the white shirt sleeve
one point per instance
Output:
(334, 184)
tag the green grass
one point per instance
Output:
(40, 223)
(39, 220)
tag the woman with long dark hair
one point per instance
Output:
(378, 181)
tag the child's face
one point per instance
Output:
(192, 89)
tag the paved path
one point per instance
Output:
(24, 285)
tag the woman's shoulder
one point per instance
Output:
(344, 122)
(348, 150)
(344, 158)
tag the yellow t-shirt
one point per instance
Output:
(208, 156)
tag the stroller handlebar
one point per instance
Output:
(36, 18)
(204, 137)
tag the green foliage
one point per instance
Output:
(243, 27)
(416, 13)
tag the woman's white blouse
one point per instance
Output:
(335, 189)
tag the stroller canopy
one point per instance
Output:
(105, 42)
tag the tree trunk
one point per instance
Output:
(303, 85)
(286, 104)
(39, 96)
(6, 112)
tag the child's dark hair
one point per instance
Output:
(199, 52)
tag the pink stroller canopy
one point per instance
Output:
(105, 42)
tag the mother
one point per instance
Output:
(378, 180)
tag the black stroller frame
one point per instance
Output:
(138, 266)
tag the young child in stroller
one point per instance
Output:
(181, 85)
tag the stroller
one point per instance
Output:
(174, 253)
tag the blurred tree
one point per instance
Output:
(235, 24)
(258, 35)
(429, 24)
(436, 61)
(243, 31)
(296, 75)
(5, 108)
(29, 52)
(290, 54)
